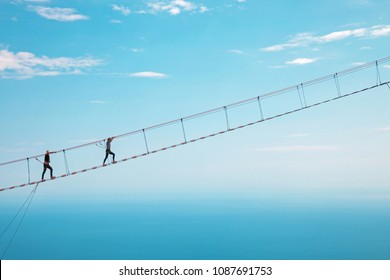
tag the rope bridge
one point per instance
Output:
(297, 94)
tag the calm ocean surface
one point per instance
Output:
(202, 227)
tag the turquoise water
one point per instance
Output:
(203, 227)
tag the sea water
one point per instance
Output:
(204, 226)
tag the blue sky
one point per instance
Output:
(78, 71)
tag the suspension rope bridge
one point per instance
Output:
(299, 92)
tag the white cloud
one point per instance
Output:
(97, 102)
(122, 9)
(175, 7)
(241, 1)
(186, 5)
(58, 14)
(305, 39)
(358, 63)
(338, 35)
(240, 52)
(386, 66)
(366, 48)
(301, 61)
(300, 39)
(380, 30)
(148, 74)
(203, 9)
(23, 65)
(299, 148)
(274, 48)
(174, 11)
(135, 50)
(116, 21)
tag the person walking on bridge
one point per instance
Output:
(108, 151)
(46, 165)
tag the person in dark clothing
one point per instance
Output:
(108, 150)
(46, 165)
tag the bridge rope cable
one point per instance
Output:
(297, 88)
(29, 200)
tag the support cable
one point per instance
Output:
(66, 163)
(28, 167)
(303, 95)
(30, 197)
(184, 132)
(303, 103)
(17, 213)
(260, 109)
(146, 142)
(336, 80)
(378, 74)
(227, 118)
